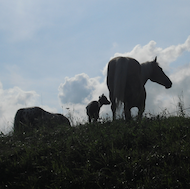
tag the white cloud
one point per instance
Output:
(11, 100)
(149, 51)
(181, 74)
(77, 89)
(76, 92)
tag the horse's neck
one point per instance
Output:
(145, 72)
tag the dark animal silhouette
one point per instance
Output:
(34, 117)
(93, 108)
(126, 79)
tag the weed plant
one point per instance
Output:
(153, 153)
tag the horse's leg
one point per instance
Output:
(113, 106)
(140, 112)
(127, 112)
(141, 106)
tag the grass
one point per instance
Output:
(153, 153)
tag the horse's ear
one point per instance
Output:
(155, 59)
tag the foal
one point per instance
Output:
(93, 108)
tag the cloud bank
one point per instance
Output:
(149, 51)
(76, 92)
(11, 100)
(79, 90)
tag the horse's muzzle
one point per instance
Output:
(169, 85)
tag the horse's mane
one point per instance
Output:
(151, 62)
(155, 63)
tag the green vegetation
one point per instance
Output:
(154, 153)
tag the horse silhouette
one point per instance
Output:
(126, 79)
(93, 108)
(33, 117)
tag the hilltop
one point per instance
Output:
(153, 153)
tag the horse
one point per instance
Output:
(93, 108)
(33, 117)
(126, 79)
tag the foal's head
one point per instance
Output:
(103, 100)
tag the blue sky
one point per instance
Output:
(53, 53)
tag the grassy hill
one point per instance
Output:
(153, 153)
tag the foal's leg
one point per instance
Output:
(96, 116)
(89, 119)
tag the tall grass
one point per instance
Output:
(153, 153)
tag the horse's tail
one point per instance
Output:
(120, 80)
(126, 83)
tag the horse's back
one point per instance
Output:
(123, 78)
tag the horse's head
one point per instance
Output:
(159, 76)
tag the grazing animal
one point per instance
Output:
(93, 108)
(28, 118)
(126, 80)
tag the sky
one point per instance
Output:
(54, 54)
